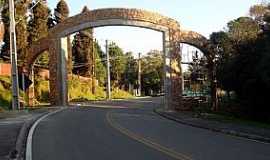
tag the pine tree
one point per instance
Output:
(21, 27)
(61, 12)
(38, 27)
(83, 50)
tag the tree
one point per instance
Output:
(38, 26)
(61, 12)
(82, 50)
(130, 75)
(152, 72)
(242, 30)
(5, 19)
(243, 64)
(100, 66)
(257, 12)
(118, 63)
(21, 8)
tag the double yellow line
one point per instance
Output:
(154, 145)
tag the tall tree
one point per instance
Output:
(118, 63)
(5, 19)
(100, 66)
(21, 8)
(21, 27)
(152, 72)
(82, 50)
(131, 70)
(257, 12)
(61, 12)
(243, 29)
(38, 26)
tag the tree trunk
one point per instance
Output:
(213, 81)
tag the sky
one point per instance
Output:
(202, 16)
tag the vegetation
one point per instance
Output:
(152, 73)
(243, 62)
(83, 51)
(81, 91)
(5, 93)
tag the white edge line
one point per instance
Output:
(28, 155)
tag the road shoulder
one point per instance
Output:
(226, 128)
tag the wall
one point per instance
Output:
(5, 69)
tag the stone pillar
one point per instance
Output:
(173, 73)
(167, 71)
(58, 72)
(176, 77)
(31, 90)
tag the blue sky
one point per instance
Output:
(203, 16)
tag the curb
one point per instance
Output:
(28, 152)
(20, 148)
(228, 132)
(18, 152)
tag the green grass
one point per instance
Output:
(78, 91)
(81, 91)
(120, 94)
(235, 120)
(5, 92)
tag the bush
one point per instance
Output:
(42, 91)
(81, 90)
(120, 94)
(5, 92)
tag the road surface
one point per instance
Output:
(129, 130)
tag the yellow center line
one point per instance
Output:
(145, 141)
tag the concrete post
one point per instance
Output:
(13, 57)
(139, 76)
(63, 71)
(108, 72)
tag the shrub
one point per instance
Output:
(120, 94)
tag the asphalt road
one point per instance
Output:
(129, 130)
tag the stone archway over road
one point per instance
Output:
(56, 44)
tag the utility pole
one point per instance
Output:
(13, 58)
(139, 76)
(93, 67)
(108, 72)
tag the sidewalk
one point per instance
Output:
(14, 128)
(235, 129)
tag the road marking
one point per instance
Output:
(29, 143)
(149, 143)
(100, 106)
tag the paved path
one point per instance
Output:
(125, 132)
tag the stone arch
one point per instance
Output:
(34, 51)
(170, 28)
(117, 17)
(197, 40)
